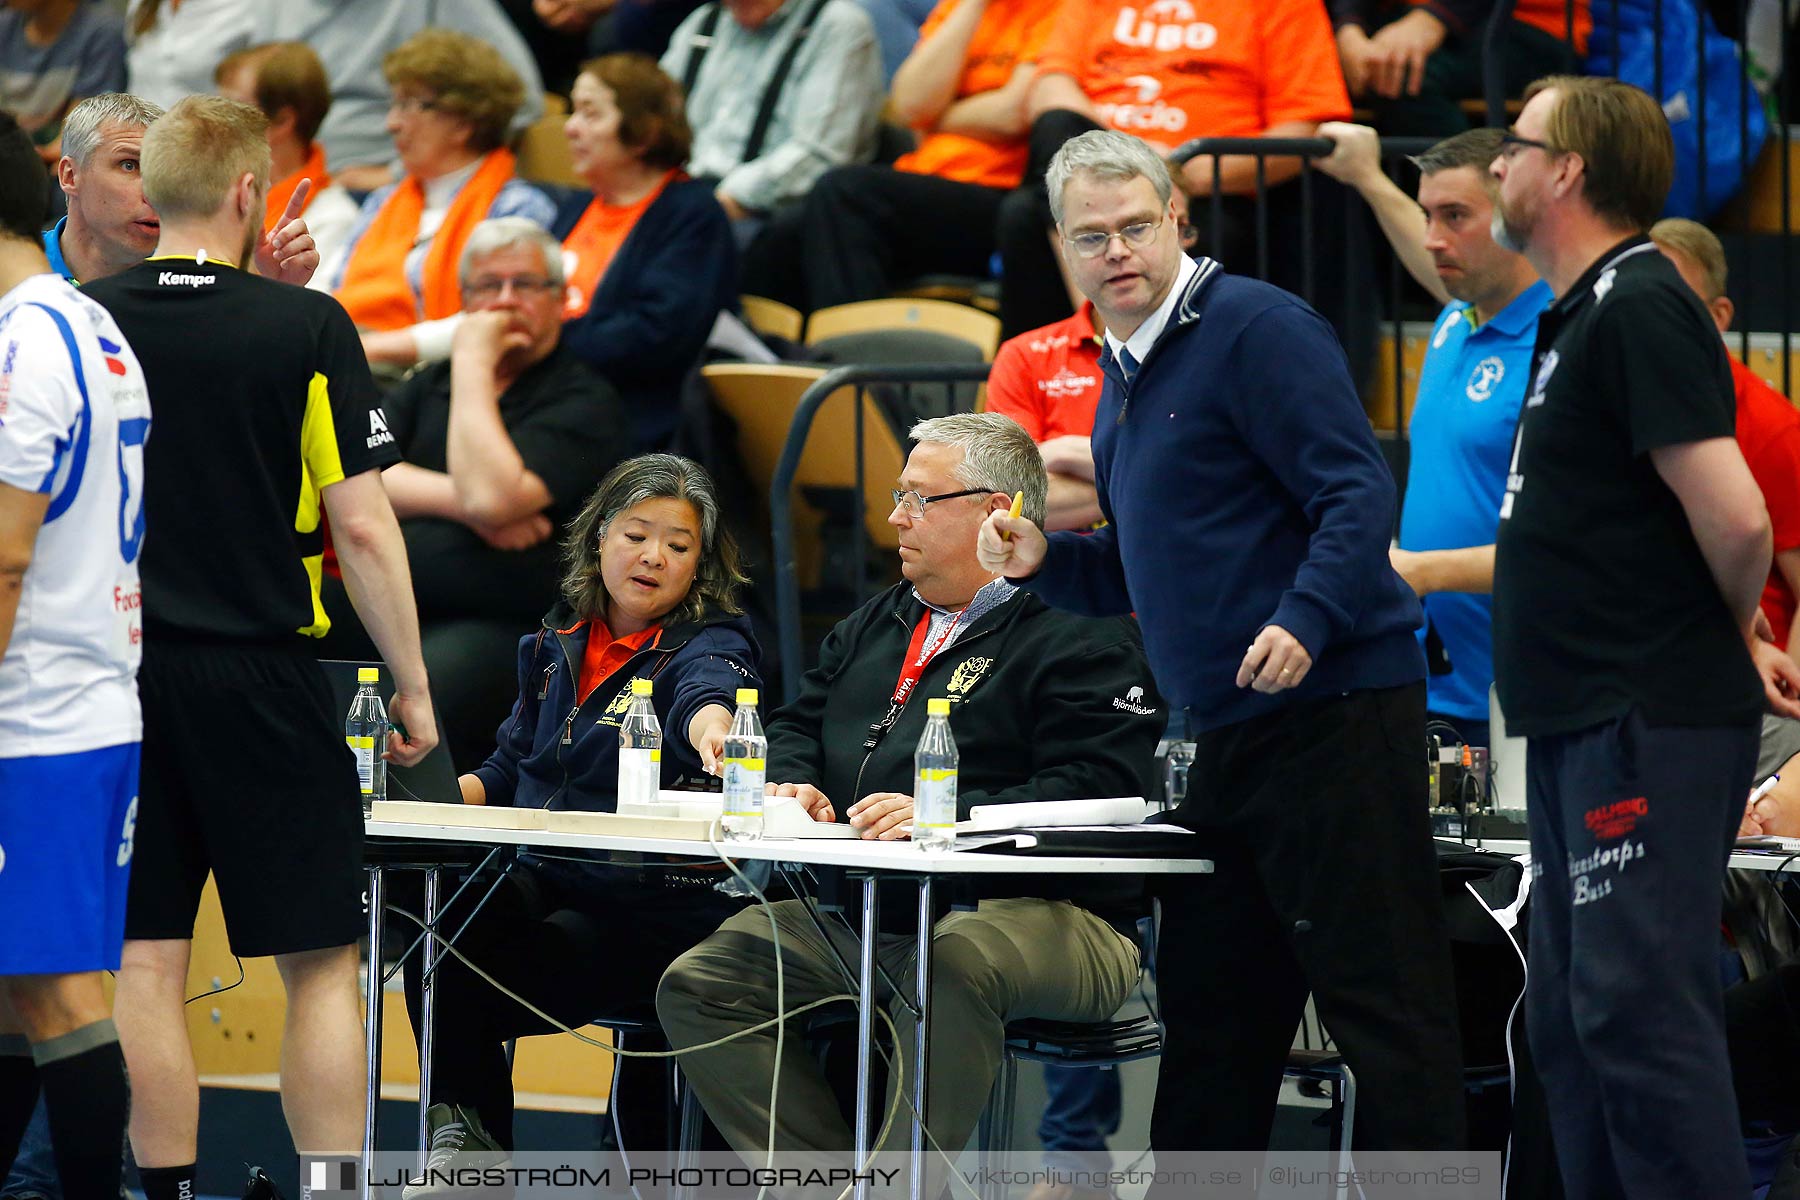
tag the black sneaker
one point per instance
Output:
(459, 1143)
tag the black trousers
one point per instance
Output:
(1631, 829)
(600, 959)
(1325, 881)
(864, 230)
(1332, 268)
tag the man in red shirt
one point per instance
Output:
(1768, 427)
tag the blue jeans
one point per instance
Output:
(34, 1170)
(1081, 1112)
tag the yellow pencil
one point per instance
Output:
(1018, 504)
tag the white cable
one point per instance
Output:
(896, 1061)
(712, 829)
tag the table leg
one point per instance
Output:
(429, 954)
(922, 1041)
(372, 1026)
(865, 1031)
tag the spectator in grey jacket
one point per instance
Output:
(827, 105)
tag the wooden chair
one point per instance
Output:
(772, 317)
(544, 151)
(935, 316)
(761, 399)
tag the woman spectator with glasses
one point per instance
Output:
(648, 255)
(452, 99)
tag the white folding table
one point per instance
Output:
(865, 861)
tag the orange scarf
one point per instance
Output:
(279, 195)
(594, 242)
(375, 290)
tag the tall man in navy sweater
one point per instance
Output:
(1248, 505)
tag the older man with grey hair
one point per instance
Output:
(1045, 706)
(499, 445)
(1248, 506)
(110, 226)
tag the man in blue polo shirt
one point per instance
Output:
(1470, 388)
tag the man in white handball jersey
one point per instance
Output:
(74, 416)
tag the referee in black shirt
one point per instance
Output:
(267, 422)
(1632, 551)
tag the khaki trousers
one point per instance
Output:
(1006, 960)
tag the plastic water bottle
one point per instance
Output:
(934, 781)
(365, 731)
(746, 760)
(640, 749)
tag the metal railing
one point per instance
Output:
(863, 379)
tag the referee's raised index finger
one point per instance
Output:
(297, 202)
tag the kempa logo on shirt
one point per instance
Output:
(1149, 112)
(1133, 703)
(1165, 25)
(181, 279)
(378, 430)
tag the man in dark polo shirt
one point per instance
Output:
(1632, 551)
(267, 422)
(501, 444)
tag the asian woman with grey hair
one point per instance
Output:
(649, 593)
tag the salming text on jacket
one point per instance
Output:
(1242, 488)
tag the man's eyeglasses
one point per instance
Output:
(1094, 242)
(487, 287)
(1512, 145)
(913, 504)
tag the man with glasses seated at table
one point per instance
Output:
(1045, 706)
(500, 444)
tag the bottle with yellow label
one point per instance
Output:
(746, 755)
(934, 781)
(365, 732)
(640, 748)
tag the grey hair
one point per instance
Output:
(653, 477)
(503, 233)
(1105, 154)
(81, 128)
(997, 454)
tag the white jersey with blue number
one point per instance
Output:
(74, 415)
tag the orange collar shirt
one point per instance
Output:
(595, 241)
(1048, 379)
(1172, 70)
(1011, 33)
